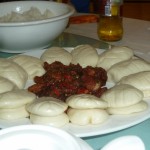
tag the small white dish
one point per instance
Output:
(39, 137)
(125, 143)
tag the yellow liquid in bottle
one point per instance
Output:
(110, 28)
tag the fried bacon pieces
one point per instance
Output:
(61, 81)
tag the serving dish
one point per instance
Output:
(45, 136)
(113, 124)
(22, 36)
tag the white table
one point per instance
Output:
(136, 34)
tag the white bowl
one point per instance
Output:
(24, 36)
(39, 137)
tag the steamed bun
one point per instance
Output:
(47, 106)
(122, 95)
(56, 54)
(87, 116)
(140, 80)
(56, 121)
(32, 65)
(138, 107)
(85, 55)
(125, 68)
(6, 85)
(86, 109)
(13, 113)
(85, 101)
(114, 55)
(15, 98)
(13, 72)
(13, 104)
(48, 110)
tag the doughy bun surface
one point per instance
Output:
(113, 56)
(56, 121)
(6, 85)
(56, 54)
(85, 55)
(85, 101)
(32, 65)
(87, 116)
(47, 106)
(16, 98)
(13, 72)
(122, 95)
(125, 68)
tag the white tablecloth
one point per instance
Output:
(136, 35)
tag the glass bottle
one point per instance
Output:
(110, 26)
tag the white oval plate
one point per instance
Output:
(113, 124)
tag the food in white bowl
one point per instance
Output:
(23, 36)
(32, 14)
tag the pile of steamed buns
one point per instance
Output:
(130, 76)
